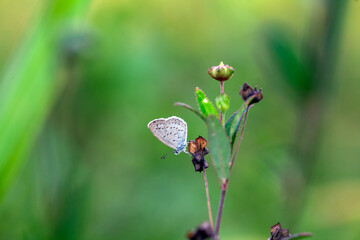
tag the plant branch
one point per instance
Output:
(219, 214)
(191, 109)
(208, 200)
(298, 235)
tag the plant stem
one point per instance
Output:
(219, 214)
(221, 92)
(225, 185)
(208, 200)
(240, 138)
(297, 235)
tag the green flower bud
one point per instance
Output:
(222, 102)
(221, 72)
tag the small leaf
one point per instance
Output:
(233, 123)
(229, 122)
(236, 129)
(191, 109)
(205, 105)
(219, 147)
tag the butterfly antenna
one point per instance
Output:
(163, 157)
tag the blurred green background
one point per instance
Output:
(81, 79)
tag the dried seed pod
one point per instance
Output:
(277, 233)
(246, 92)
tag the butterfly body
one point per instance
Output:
(171, 131)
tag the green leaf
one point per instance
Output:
(233, 123)
(205, 105)
(191, 109)
(219, 147)
(237, 120)
(234, 120)
(229, 122)
(236, 129)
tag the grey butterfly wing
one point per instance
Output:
(176, 133)
(157, 127)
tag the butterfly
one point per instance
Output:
(171, 131)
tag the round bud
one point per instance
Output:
(221, 72)
(222, 102)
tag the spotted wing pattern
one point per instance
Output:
(171, 131)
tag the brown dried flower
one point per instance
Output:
(277, 233)
(198, 150)
(202, 232)
(246, 92)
